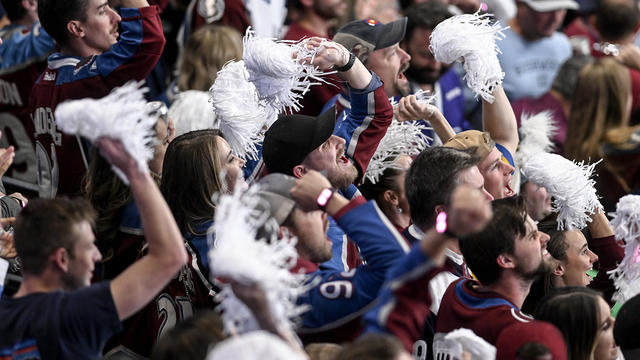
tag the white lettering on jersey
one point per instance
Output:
(9, 93)
(44, 123)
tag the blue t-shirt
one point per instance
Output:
(58, 325)
(531, 66)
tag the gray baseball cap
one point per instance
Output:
(371, 33)
(275, 190)
(551, 5)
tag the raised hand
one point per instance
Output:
(469, 212)
(114, 152)
(307, 188)
(329, 53)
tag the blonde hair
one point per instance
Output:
(205, 53)
(599, 112)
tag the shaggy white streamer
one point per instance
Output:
(236, 254)
(570, 184)
(473, 344)
(278, 70)
(626, 227)
(191, 111)
(402, 138)
(240, 113)
(471, 38)
(120, 116)
(535, 134)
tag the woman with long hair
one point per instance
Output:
(388, 192)
(121, 238)
(198, 165)
(599, 129)
(584, 319)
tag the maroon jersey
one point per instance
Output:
(23, 57)
(188, 292)
(62, 159)
(486, 313)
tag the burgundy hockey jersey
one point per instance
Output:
(486, 313)
(62, 159)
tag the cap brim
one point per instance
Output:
(325, 124)
(393, 33)
(551, 5)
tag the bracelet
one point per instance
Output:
(442, 227)
(323, 198)
(348, 65)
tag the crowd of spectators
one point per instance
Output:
(116, 265)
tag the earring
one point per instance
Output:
(399, 210)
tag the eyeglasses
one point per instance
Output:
(159, 109)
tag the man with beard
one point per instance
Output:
(317, 17)
(297, 144)
(376, 45)
(506, 257)
(336, 297)
(427, 73)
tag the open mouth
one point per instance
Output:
(344, 161)
(403, 68)
(509, 191)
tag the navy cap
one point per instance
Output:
(292, 137)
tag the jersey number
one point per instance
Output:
(336, 289)
(171, 311)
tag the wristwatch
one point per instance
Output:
(323, 198)
(441, 225)
(348, 65)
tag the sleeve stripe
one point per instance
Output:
(384, 312)
(345, 252)
(371, 106)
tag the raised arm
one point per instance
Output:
(371, 113)
(336, 295)
(610, 254)
(499, 120)
(140, 282)
(403, 304)
(409, 108)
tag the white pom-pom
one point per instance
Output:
(535, 134)
(472, 343)
(239, 111)
(626, 227)
(191, 111)
(402, 138)
(570, 185)
(236, 254)
(471, 38)
(277, 70)
(121, 115)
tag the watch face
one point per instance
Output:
(324, 197)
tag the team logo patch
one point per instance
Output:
(371, 22)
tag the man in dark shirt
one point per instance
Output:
(56, 314)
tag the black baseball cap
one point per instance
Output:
(292, 137)
(371, 33)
